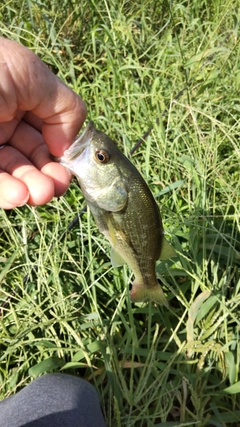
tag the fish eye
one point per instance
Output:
(102, 156)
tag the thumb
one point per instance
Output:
(33, 87)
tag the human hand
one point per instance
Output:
(39, 116)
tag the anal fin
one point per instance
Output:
(116, 259)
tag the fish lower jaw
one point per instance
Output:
(140, 293)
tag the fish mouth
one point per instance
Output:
(79, 145)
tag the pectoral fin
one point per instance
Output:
(111, 232)
(116, 259)
(167, 250)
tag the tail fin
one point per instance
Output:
(140, 293)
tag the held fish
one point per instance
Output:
(123, 208)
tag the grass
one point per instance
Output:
(66, 309)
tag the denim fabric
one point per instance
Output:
(53, 400)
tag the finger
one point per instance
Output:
(13, 192)
(33, 120)
(7, 128)
(62, 111)
(30, 143)
(40, 187)
(60, 129)
(60, 177)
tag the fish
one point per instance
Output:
(123, 207)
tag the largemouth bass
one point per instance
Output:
(123, 208)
